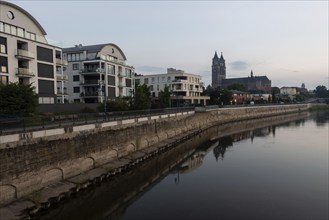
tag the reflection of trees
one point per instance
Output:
(321, 118)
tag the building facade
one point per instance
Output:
(26, 56)
(97, 72)
(218, 70)
(186, 88)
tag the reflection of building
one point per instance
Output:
(251, 82)
(192, 162)
(95, 69)
(26, 56)
(186, 88)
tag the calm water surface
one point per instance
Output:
(274, 172)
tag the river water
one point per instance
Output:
(275, 168)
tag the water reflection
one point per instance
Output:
(321, 118)
(148, 192)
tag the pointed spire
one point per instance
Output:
(251, 74)
(221, 56)
(215, 57)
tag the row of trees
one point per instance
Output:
(142, 99)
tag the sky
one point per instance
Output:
(285, 40)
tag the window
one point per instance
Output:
(3, 64)
(146, 81)
(69, 57)
(4, 80)
(75, 66)
(111, 69)
(168, 79)
(153, 80)
(76, 89)
(46, 87)
(76, 78)
(44, 54)
(73, 57)
(45, 70)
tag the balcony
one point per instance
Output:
(60, 77)
(91, 71)
(90, 83)
(61, 93)
(24, 54)
(121, 74)
(179, 81)
(121, 85)
(24, 73)
(61, 62)
(89, 94)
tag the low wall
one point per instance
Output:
(32, 160)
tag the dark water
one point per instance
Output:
(265, 169)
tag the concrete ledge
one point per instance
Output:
(45, 133)
(172, 115)
(128, 121)
(83, 127)
(164, 116)
(109, 124)
(154, 117)
(9, 138)
(142, 119)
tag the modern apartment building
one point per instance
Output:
(26, 56)
(186, 88)
(97, 72)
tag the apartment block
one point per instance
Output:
(26, 56)
(186, 88)
(97, 72)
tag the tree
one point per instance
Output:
(275, 91)
(17, 98)
(164, 97)
(142, 97)
(117, 104)
(225, 96)
(214, 94)
(321, 92)
(236, 86)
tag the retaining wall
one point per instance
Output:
(32, 160)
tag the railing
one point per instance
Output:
(61, 62)
(92, 70)
(24, 54)
(60, 77)
(24, 72)
(90, 82)
(89, 94)
(14, 124)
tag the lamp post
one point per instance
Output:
(102, 85)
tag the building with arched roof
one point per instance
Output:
(26, 56)
(97, 72)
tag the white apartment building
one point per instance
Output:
(186, 88)
(26, 56)
(97, 72)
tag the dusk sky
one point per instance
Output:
(286, 41)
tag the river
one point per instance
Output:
(274, 168)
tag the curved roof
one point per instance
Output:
(92, 49)
(26, 13)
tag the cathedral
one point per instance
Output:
(251, 83)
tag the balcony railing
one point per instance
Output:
(60, 77)
(89, 94)
(92, 71)
(61, 62)
(24, 72)
(24, 54)
(121, 85)
(90, 82)
(60, 92)
(121, 74)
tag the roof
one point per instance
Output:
(26, 13)
(91, 48)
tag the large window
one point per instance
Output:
(45, 70)
(75, 66)
(4, 80)
(3, 64)
(3, 45)
(44, 54)
(111, 80)
(46, 87)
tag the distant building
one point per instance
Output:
(186, 88)
(97, 72)
(26, 56)
(218, 70)
(250, 83)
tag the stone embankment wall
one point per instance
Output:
(32, 160)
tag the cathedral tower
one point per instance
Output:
(218, 70)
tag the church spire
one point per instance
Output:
(216, 56)
(251, 74)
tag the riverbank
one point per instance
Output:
(87, 157)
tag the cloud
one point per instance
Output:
(150, 69)
(239, 65)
